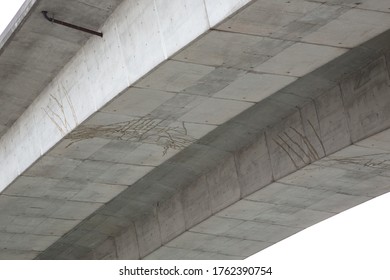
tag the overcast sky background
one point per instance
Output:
(352, 245)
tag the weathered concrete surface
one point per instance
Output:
(99, 71)
(121, 171)
(33, 51)
(203, 194)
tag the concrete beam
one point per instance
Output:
(129, 150)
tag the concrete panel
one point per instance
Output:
(137, 102)
(93, 192)
(378, 141)
(35, 225)
(231, 137)
(170, 216)
(29, 139)
(287, 146)
(360, 25)
(88, 171)
(226, 49)
(375, 5)
(15, 106)
(116, 151)
(177, 106)
(106, 250)
(81, 149)
(138, 29)
(101, 118)
(348, 3)
(261, 232)
(312, 131)
(174, 76)
(10, 161)
(50, 117)
(200, 159)
(106, 65)
(313, 176)
(37, 207)
(223, 186)
(177, 18)
(244, 229)
(274, 214)
(313, 84)
(125, 210)
(122, 174)
(218, 10)
(244, 210)
(53, 167)
(289, 195)
(134, 153)
(254, 87)
(197, 131)
(359, 159)
(75, 210)
(127, 245)
(62, 189)
(215, 111)
(165, 177)
(349, 177)
(361, 94)
(63, 251)
(216, 225)
(301, 219)
(299, 59)
(170, 253)
(310, 22)
(332, 119)
(75, 97)
(149, 192)
(27, 242)
(266, 18)
(148, 234)
(6, 254)
(196, 205)
(106, 5)
(264, 114)
(217, 244)
(253, 166)
(109, 225)
(215, 81)
(30, 186)
(87, 239)
(50, 226)
(360, 184)
(338, 203)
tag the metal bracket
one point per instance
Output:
(52, 19)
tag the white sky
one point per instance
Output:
(352, 245)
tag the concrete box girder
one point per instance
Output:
(136, 150)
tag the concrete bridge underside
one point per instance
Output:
(148, 145)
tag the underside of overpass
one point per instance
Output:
(193, 129)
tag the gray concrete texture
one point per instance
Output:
(216, 210)
(31, 57)
(180, 154)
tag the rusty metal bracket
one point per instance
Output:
(52, 19)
